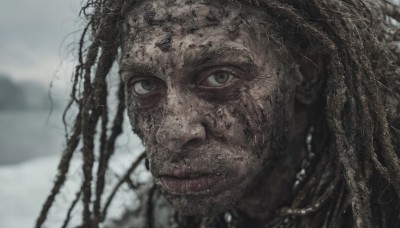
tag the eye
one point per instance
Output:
(218, 79)
(144, 87)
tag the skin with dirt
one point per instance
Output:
(211, 97)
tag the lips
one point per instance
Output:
(186, 179)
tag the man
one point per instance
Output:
(252, 113)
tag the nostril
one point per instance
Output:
(197, 136)
(193, 142)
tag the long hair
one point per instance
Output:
(360, 106)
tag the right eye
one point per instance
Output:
(144, 87)
(218, 79)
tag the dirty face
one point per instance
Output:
(209, 98)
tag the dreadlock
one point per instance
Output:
(355, 172)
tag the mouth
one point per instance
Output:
(188, 183)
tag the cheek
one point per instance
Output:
(254, 120)
(263, 122)
(143, 122)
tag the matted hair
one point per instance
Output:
(358, 170)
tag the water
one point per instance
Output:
(27, 135)
(30, 147)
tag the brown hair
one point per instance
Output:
(361, 109)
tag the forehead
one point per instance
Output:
(181, 17)
(183, 28)
(181, 12)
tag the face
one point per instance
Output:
(210, 100)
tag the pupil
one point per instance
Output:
(147, 85)
(221, 78)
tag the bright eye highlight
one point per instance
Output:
(218, 79)
(144, 87)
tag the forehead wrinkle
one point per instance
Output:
(185, 56)
(182, 60)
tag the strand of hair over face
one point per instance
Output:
(356, 90)
(94, 65)
(363, 74)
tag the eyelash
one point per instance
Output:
(207, 74)
(202, 77)
(131, 87)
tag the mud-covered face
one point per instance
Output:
(208, 97)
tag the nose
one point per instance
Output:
(180, 126)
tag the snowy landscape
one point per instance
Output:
(30, 149)
(37, 56)
(37, 47)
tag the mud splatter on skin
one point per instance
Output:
(165, 44)
(229, 131)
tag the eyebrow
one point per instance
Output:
(136, 68)
(202, 58)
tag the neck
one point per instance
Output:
(274, 190)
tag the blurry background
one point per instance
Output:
(35, 38)
(37, 55)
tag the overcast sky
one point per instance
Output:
(31, 35)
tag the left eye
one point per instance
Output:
(145, 87)
(218, 79)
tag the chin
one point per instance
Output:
(198, 205)
(205, 195)
(204, 204)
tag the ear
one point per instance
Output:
(310, 73)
